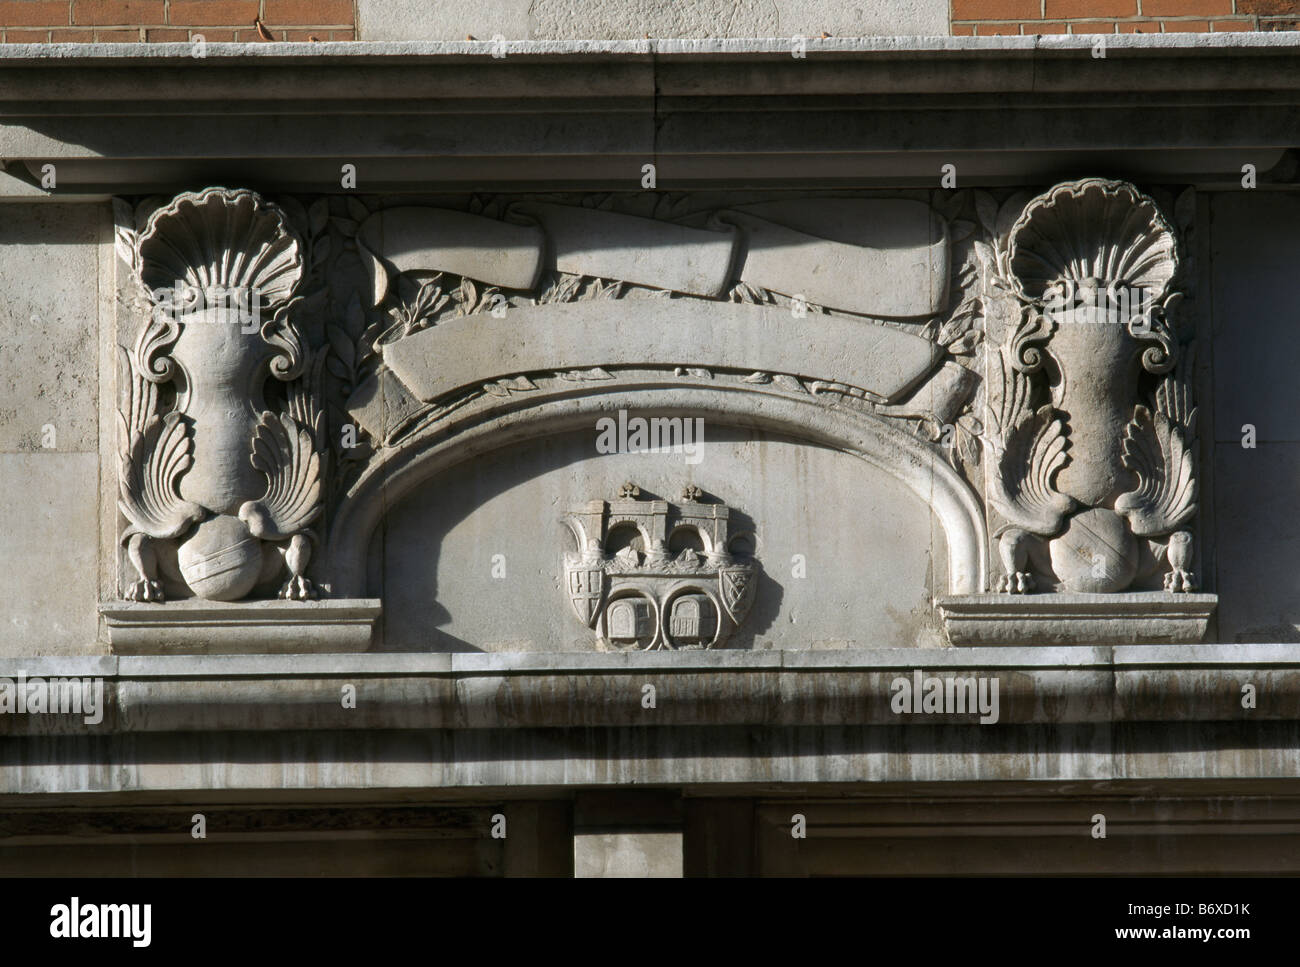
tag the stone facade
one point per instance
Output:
(663, 433)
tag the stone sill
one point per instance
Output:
(241, 628)
(1149, 617)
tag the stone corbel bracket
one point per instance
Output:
(1141, 618)
(1091, 478)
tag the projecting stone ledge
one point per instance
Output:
(1150, 617)
(197, 627)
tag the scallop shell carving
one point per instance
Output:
(221, 238)
(1093, 229)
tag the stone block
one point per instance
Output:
(48, 578)
(634, 19)
(1257, 542)
(49, 264)
(1254, 250)
(624, 855)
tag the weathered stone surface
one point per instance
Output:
(216, 478)
(257, 627)
(820, 582)
(1076, 619)
(854, 687)
(1258, 542)
(1253, 250)
(638, 250)
(48, 326)
(621, 855)
(434, 238)
(882, 257)
(931, 455)
(519, 19)
(1091, 422)
(886, 362)
(50, 551)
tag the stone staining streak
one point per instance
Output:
(219, 488)
(1090, 428)
(656, 575)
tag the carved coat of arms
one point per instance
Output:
(655, 575)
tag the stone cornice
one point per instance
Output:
(118, 117)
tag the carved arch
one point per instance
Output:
(472, 432)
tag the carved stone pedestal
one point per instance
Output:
(197, 627)
(1145, 617)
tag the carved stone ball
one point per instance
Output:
(222, 560)
(1097, 553)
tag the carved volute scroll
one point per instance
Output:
(1090, 429)
(218, 486)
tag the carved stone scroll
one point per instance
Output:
(469, 351)
(886, 258)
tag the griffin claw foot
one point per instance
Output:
(1180, 581)
(1017, 582)
(145, 590)
(298, 589)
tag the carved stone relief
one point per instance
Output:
(651, 574)
(1030, 344)
(215, 481)
(1090, 425)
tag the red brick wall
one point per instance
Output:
(1120, 16)
(133, 21)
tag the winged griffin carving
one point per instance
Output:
(218, 487)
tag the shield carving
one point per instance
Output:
(737, 585)
(586, 588)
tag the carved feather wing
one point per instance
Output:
(1023, 491)
(153, 453)
(151, 468)
(1156, 450)
(1028, 448)
(282, 450)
